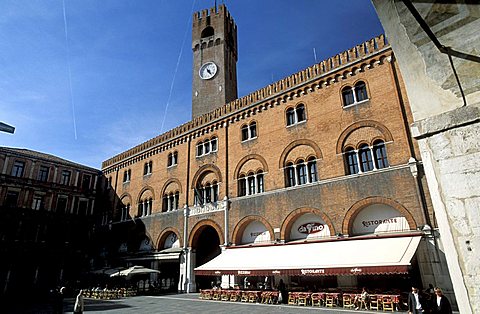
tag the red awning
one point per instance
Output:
(345, 257)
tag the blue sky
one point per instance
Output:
(122, 56)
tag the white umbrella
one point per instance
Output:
(135, 270)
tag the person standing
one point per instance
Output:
(416, 303)
(440, 303)
(79, 306)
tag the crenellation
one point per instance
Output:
(325, 66)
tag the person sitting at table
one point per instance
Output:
(361, 299)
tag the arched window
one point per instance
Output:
(207, 147)
(207, 32)
(380, 154)
(251, 183)
(351, 160)
(206, 194)
(260, 184)
(301, 172)
(170, 201)
(147, 168)
(296, 115)
(125, 210)
(347, 96)
(245, 135)
(300, 112)
(361, 91)
(366, 162)
(290, 116)
(172, 159)
(242, 186)
(126, 176)
(290, 174)
(312, 169)
(253, 129)
(354, 95)
(213, 144)
(199, 149)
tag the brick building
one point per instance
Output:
(46, 208)
(321, 160)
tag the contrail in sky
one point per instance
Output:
(69, 70)
(176, 68)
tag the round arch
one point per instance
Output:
(361, 124)
(169, 181)
(242, 224)
(247, 158)
(143, 190)
(202, 170)
(124, 196)
(164, 234)
(296, 143)
(355, 209)
(194, 233)
(290, 219)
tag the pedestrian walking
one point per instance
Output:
(416, 302)
(440, 303)
(79, 306)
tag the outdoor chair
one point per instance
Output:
(302, 299)
(244, 296)
(348, 301)
(375, 303)
(329, 301)
(317, 299)
(225, 295)
(387, 303)
(235, 296)
(291, 298)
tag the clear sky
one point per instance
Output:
(101, 85)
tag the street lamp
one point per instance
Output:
(6, 128)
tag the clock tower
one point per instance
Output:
(214, 45)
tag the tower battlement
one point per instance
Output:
(204, 17)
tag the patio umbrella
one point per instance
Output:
(135, 270)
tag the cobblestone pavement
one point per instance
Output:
(190, 303)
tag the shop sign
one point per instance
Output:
(218, 272)
(377, 222)
(355, 270)
(276, 272)
(244, 272)
(311, 227)
(312, 271)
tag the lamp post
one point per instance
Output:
(6, 128)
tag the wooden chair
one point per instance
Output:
(375, 302)
(216, 295)
(302, 299)
(387, 303)
(244, 296)
(235, 296)
(317, 299)
(252, 297)
(292, 299)
(329, 301)
(225, 295)
(348, 301)
(363, 304)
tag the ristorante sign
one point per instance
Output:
(377, 270)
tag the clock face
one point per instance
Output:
(208, 70)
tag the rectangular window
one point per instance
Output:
(62, 204)
(37, 203)
(83, 207)
(66, 174)
(18, 168)
(43, 173)
(11, 200)
(86, 182)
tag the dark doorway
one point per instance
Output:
(207, 247)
